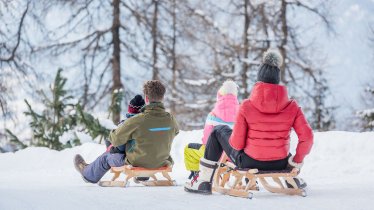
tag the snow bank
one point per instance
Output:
(339, 173)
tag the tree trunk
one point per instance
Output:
(245, 66)
(116, 61)
(154, 37)
(282, 49)
(174, 61)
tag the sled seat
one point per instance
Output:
(286, 171)
(133, 172)
(228, 170)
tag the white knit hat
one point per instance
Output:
(228, 87)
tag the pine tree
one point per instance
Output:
(91, 124)
(57, 126)
(14, 140)
(50, 125)
(115, 107)
(323, 119)
(367, 116)
(63, 117)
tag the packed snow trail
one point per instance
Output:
(339, 172)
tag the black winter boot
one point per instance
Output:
(299, 182)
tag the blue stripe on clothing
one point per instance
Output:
(219, 120)
(160, 129)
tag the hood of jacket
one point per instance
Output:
(269, 98)
(226, 107)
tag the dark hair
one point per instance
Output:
(154, 90)
(269, 74)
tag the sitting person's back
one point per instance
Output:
(223, 113)
(264, 125)
(153, 131)
(151, 134)
(264, 122)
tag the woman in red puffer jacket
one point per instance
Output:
(261, 134)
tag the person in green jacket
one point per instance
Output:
(151, 134)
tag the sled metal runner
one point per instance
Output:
(227, 170)
(132, 172)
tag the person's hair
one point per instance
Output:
(154, 90)
(268, 74)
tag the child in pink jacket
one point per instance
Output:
(223, 113)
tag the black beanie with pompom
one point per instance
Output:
(270, 68)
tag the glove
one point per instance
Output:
(293, 164)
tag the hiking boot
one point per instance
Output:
(299, 182)
(202, 181)
(80, 164)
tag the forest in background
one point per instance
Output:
(107, 49)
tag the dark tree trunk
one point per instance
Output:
(174, 60)
(155, 42)
(245, 66)
(282, 48)
(116, 61)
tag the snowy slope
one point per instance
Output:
(339, 172)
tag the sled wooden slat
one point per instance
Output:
(112, 184)
(132, 172)
(158, 183)
(235, 193)
(227, 170)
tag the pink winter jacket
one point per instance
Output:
(223, 113)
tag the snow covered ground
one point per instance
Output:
(339, 172)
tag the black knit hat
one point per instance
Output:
(270, 68)
(135, 105)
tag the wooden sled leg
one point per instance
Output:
(278, 181)
(234, 190)
(166, 175)
(252, 185)
(116, 175)
(113, 182)
(157, 182)
(154, 177)
(225, 179)
(287, 191)
(238, 181)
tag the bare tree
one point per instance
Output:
(101, 46)
(10, 40)
(116, 57)
(192, 46)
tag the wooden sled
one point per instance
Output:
(239, 188)
(132, 172)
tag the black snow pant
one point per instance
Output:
(219, 141)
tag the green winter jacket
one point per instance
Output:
(151, 133)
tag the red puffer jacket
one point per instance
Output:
(263, 125)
